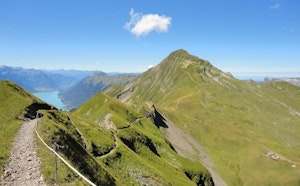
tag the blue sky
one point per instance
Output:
(238, 36)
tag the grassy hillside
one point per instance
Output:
(236, 121)
(15, 102)
(107, 141)
(77, 146)
(172, 120)
(141, 154)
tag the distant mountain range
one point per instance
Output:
(76, 74)
(42, 80)
(294, 81)
(75, 86)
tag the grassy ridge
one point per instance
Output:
(13, 103)
(100, 105)
(142, 155)
(237, 121)
(56, 127)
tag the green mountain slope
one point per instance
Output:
(76, 95)
(236, 122)
(141, 154)
(77, 141)
(183, 122)
(107, 141)
(15, 104)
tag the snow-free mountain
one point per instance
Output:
(237, 123)
(183, 122)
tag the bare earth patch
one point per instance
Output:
(106, 123)
(187, 147)
(23, 166)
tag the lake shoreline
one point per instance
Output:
(51, 97)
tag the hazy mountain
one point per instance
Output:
(79, 93)
(291, 80)
(76, 74)
(235, 122)
(36, 80)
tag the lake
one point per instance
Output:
(50, 98)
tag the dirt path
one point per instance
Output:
(23, 166)
(112, 150)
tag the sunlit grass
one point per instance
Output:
(236, 121)
(13, 101)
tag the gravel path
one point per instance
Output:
(23, 166)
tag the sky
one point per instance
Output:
(237, 36)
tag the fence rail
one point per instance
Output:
(63, 160)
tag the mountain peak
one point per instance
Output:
(179, 71)
(179, 52)
(182, 58)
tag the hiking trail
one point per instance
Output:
(23, 167)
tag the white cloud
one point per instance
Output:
(143, 68)
(275, 6)
(141, 25)
(150, 66)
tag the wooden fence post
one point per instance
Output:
(55, 164)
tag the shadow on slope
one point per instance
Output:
(159, 120)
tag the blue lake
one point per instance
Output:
(50, 98)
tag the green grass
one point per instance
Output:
(237, 134)
(144, 167)
(55, 126)
(98, 140)
(13, 101)
(236, 121)
(141, 157)
(139, 152)
(65, 176)
(142, 153)
(122, 116)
